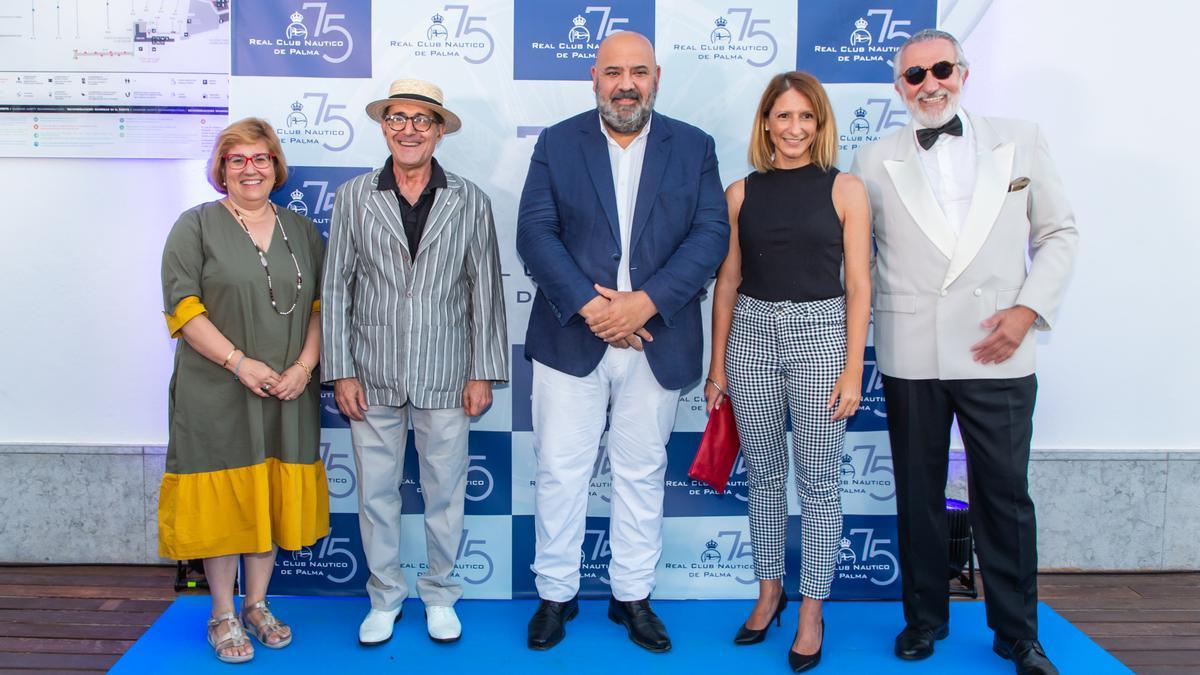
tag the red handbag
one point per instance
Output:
(718, 448)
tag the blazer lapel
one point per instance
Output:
(595, 155)
(913, 187)
(446, 204)
(993, 170)
(382, 204)
(654, 165)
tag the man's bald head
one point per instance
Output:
(625, 79)
(624, 45)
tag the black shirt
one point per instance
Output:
(414, 215)
(790, 236)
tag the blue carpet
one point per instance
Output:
(859, 639)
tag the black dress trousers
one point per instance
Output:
(995, 418)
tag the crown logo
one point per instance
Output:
(579, 20)
(297, 17)
(860, 112)
(861, 24)
(710, 545)
(845, 543)
(721, 21)
(297, 106)
(846, 458)
(437, 18)
(297, 195)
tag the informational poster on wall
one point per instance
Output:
(113, 78)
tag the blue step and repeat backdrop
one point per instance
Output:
(509, 69)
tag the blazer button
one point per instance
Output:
(616, 256)
(408, 294)
(978, 292)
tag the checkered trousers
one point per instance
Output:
(785, 357)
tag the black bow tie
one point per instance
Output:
(927, 137)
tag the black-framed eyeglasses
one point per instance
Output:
(420, 121)
(941, 70)
(261, 160)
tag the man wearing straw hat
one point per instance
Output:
(414, 328)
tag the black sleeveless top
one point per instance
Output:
(790, 236)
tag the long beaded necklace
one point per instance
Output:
(262, 258)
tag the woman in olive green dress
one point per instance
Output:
(244, 475)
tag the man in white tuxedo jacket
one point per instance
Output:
(958, 202)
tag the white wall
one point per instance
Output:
(85, 353)
(86, 359)
(1109, 83)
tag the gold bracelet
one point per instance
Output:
(228, 356)
(307, 370)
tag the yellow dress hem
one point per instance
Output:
(244, 510)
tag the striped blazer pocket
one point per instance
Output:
(375, 355)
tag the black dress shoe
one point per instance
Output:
(1028, 656)
(914, 644)
(802, 662)
(643, 625)
(547, 627)
(750, 636)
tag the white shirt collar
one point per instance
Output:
(641, 134)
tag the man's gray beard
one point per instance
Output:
(635, 122)
(948, 112)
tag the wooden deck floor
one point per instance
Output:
(77, 617)
(82, 618)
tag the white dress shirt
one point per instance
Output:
(627, 175)
(950, 169)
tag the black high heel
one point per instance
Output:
(802, 662)
(749, 636)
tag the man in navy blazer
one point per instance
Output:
(622, 222)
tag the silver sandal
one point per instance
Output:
(266, 627)
(234, 637)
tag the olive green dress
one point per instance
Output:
(243, 472)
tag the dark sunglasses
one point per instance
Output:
(941, 70)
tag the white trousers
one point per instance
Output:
(379, 443)
(569, 415)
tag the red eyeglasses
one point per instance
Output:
(261, 160)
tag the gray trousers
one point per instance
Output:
(379, 443)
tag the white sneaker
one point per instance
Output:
(376, 629)
(442, 624)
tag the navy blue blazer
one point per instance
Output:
(569, 237)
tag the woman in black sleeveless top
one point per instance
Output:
(787, 336)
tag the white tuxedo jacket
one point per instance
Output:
(933, 288)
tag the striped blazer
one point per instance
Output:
(412, 328)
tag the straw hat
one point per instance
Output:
(417, 91)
